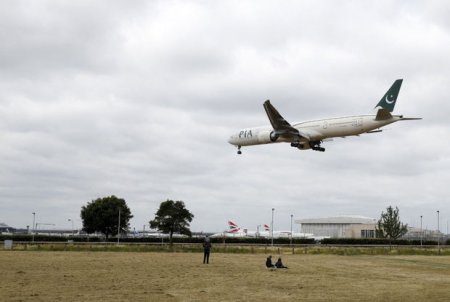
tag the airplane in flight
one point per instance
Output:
(311, 134)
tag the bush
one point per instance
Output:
(369, 241)
(48, 238)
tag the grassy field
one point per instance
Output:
(121, 276)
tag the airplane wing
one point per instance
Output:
(279, 124)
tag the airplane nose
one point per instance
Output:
(231, 140)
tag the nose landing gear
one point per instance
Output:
(239, 150)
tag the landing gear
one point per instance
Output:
(296, 145)
(239, 150)
(313, 145)
(316, 146)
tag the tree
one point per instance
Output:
(171, 217)
(102, 215)
(389, 225)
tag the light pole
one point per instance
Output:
(291, 228)
(34, 227)
(72, 224)
(438, 229)
(118, 229)
(271, 228)
(446, 237)
(421, 231)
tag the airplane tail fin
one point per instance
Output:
(232, 225)
(233, 231)
(389, 99)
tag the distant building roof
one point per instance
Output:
(338, 220)
(5, 228)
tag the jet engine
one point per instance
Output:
(265, 137)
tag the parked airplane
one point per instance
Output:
(284, 234)
(311, 134)
(235, 231)
(265, 233)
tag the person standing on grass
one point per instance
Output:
(206, 250)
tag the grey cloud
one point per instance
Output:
(138, 100)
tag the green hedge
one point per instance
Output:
(47, 238)
(364, 241)
(368, 241)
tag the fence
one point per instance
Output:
(280, 249)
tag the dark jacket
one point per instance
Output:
(269, 262)
(206, 246)
(279, 264)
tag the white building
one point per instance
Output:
(339, 227)
(425, 234)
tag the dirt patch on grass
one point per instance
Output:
(116, 276)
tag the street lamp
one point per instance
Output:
(118, 229)
(438, 229)
(291, 228)
(271, 229)
(34, 227)
(421, 232)
(72, 224)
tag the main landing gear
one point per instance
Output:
(313, 145)
(239, 150)
(316, 146)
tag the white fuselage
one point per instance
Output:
(316, 130)
(287, 234)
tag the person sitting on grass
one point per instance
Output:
(269, 262)
(279, 264)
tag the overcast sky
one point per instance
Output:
(138, 99)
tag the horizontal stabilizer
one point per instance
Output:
(410, 118)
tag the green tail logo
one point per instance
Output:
(390, 97)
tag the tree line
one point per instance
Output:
(111, 215)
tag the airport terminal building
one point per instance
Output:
(339, 227)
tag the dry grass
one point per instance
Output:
(118, 276)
